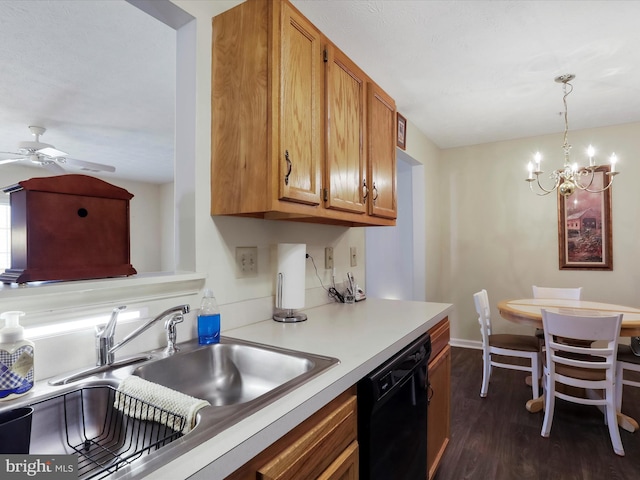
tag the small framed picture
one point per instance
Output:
(402, 132)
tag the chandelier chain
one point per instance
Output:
(565, 146)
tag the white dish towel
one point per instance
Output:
(139, 393)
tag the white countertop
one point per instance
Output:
(361, 336)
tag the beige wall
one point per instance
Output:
(428, 154)
(496, 234)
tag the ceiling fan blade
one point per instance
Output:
(91, 166)
(53, 167)
(10, 160)
(51, 152)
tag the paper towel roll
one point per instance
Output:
(291, 265)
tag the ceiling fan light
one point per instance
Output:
(49, 151)
(28, 147)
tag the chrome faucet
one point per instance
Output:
(105, 348)
(104, 339)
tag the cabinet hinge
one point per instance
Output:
(324, 53)
(326, 195)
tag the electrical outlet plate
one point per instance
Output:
(354, 256)
(328, 258)
(247, 261)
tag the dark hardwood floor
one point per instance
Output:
(497, 438)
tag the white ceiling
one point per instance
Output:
(100, 75)
(471, 72)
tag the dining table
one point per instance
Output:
(528, 311)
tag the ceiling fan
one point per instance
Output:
(49, 157)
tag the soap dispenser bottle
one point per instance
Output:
(16, 358)
(208, 320)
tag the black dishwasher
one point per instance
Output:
(392, 416)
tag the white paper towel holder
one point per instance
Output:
(287, 315)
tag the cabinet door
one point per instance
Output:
(317, 449)
(301, 109)
(345, 467)
(439, 409)
(382, 153)
(345, 133)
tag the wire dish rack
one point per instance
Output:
(102, 427)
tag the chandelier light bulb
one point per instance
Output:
(590, 153)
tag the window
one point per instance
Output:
(5, 235)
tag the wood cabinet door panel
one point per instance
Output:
(345, 131)
(301, 72)
(382, 153)
(240, 170)
(439, 409)
(314, 452)
(345, 467)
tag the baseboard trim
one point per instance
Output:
(458, 342)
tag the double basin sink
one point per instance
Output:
(236, 377)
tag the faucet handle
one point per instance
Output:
(172, 332)
(104, 338)
(110, 329)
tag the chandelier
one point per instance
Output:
(571, 177)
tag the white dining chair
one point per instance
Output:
(627, 361)
(503, 344)
(577, 363)
(553, 292)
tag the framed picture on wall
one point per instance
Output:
(584, 227)
(402, 132)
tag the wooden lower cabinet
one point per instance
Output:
(439, 409)
(345, 467)
(324, 446)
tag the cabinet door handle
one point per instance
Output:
(375, 193)
(430, 394)
(365, 190)
(286, 157)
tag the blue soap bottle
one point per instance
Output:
(208, 320)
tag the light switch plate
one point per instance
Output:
(247, 261)
(328, 258)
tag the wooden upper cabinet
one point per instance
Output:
(300, 115)
(382, 153)
(288, 130)
(345, 133)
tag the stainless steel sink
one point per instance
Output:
(230, 373)
(238, 378)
